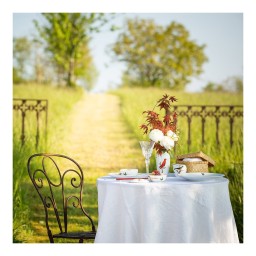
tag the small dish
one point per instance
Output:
(128, 172)
(201, 176)
(119, 175)
(157, 178)
(138, 181)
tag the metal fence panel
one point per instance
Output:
(40, 107)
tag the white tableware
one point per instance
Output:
(129, 172)
(192, 159)
(157, 178)
(173, 177)
(179, 168)
(119, 175)
(138, 181)
(198, 176)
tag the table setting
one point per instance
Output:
(178, 203)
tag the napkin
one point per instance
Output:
(192, 159)
(129, 178)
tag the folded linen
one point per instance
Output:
(192, 159)
(130, 178)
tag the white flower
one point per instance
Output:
(172, 135)
(167, 142)
(156, 135)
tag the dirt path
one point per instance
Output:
(99, 139)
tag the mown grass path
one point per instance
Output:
(99, 139)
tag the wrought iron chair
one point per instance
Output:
(59, 183)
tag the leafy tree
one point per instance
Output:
(213, 87)
(231, 84)
(239, 85)
(15, 76)
(66, 36)
(41, 63)
(210, 87)
(21, 56)
(158, 56)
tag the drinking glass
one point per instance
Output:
(147, 149)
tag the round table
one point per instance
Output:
(173, 211)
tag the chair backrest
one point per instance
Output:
(58, 180)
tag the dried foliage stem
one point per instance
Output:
(153, 120)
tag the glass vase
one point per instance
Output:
(147, 149)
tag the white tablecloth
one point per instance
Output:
(174, 211)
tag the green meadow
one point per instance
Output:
(26, 210)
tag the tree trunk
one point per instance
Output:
(70, 78)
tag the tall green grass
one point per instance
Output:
(61, 101)
(229, 160)
(26, 226)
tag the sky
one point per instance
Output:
(221, 32)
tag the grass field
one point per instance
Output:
(61, 102)
(26, 226)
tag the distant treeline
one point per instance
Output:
(155, 56)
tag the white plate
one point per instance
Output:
(138, 181)
(201, 176)
(129, 171)
(118, 175)
(174, 178)
(157, 178)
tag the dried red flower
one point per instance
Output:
(153, 120)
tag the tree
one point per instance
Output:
(213, 87)
(234, 84)
(210, 87)
(239, 85)
(21, 56)
(231, 84)
(158, 56)
(41, 63)
(66, 36)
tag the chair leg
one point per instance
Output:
(81, 240)
(50, 236)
